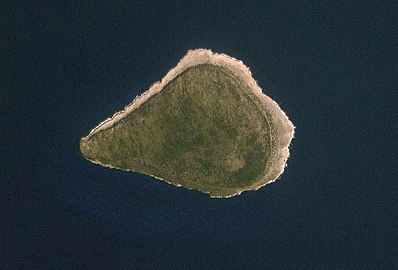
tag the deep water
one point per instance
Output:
(69, 66)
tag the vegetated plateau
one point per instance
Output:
(205, 128)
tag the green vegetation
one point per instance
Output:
(205, 130)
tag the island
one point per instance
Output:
(205, 126)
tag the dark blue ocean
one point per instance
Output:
(66, 67)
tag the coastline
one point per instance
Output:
(280, 137)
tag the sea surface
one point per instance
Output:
(68, 66)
